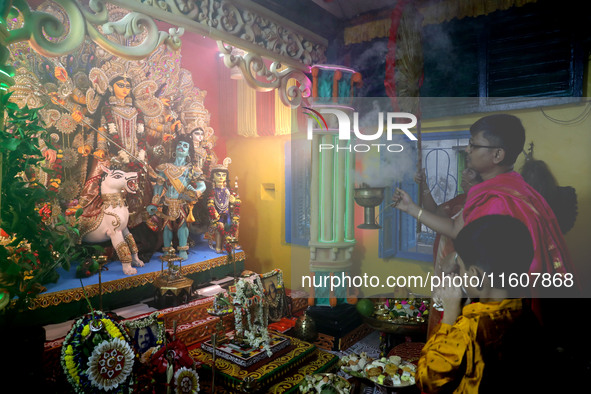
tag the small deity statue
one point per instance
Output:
(198, 136)
(174, 184)
(223, 204)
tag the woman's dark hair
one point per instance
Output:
(119, 78)
(496, 243)
(562, 199)
(502, 130)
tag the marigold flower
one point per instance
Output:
(84, 150)
(85, 331)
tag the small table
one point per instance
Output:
(171, 282)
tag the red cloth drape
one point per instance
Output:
(390, 80)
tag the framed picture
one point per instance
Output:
(146, 333)
(275, 294)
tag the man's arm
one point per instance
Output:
(443, 225)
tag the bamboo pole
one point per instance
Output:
(419, 164)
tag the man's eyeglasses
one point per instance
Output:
(474, 146)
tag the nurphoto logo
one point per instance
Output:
(393, 120)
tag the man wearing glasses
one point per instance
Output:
(496, 142)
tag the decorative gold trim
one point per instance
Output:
(367, 31)
(280, 375)
(73, 295)
(113, 199)
(131, 243)
(123, 253)
(442, 11)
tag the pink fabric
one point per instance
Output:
(509, 194)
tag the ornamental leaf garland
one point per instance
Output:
(33, 246)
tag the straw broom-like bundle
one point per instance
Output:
(409, 72)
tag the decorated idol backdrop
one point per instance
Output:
(131, 151)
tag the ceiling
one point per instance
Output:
(348, 9)
(325, 17)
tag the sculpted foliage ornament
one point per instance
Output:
(264, 79)
(245, 22)
(48, 36)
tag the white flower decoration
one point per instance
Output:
(112, 128)
(110, 364)
(186, 381)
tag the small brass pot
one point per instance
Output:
(305, 328)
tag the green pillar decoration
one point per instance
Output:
(332, 233)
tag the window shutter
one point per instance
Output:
(408, 224)
(529, 54)
(517, 58)
(394, 236)
(387, 237)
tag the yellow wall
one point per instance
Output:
(259, 164)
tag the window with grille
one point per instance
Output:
(443, 159)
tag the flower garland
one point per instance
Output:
(96, 355)
(279, 274)
(110, 364)
(249, 296)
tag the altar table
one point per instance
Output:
(282, 373)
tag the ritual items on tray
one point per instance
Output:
(387, 371)
(402, 310)
(244, 355)
(325, 383)
(221, 305)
